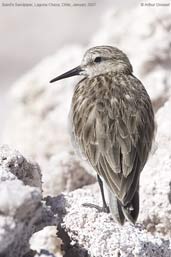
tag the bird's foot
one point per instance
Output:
(100, 209)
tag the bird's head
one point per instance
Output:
(100, 60)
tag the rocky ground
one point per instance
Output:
(66, 227)
(41, 211)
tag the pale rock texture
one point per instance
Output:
(14, 165)
(47, 240)
(20, 209)
(45, 254)
(144, 34)
(5, 175)
(156, 178)
(37, 125)
(65, 172)
(20, 202)
(90, 233)
(82, 231)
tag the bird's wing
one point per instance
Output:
(116, 139)
(117, 149)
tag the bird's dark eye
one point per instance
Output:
(98, 59)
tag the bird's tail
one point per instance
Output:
(120, 212)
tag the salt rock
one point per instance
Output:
(155, 193)
(86, 232)
(14, 165)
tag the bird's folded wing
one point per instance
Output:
(116, 145)
(114, 149)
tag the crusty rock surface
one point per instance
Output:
(156, 178)
(65, 172)
(20, 203)
(20, 209)
(45, 254)
(90, 233)
(81, 231)
(46, 240)
(14, 165)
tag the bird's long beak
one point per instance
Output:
(73, 72)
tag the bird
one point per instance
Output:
(112, 127)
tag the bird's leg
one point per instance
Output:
(105, 208)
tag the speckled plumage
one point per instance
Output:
(112, 125)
